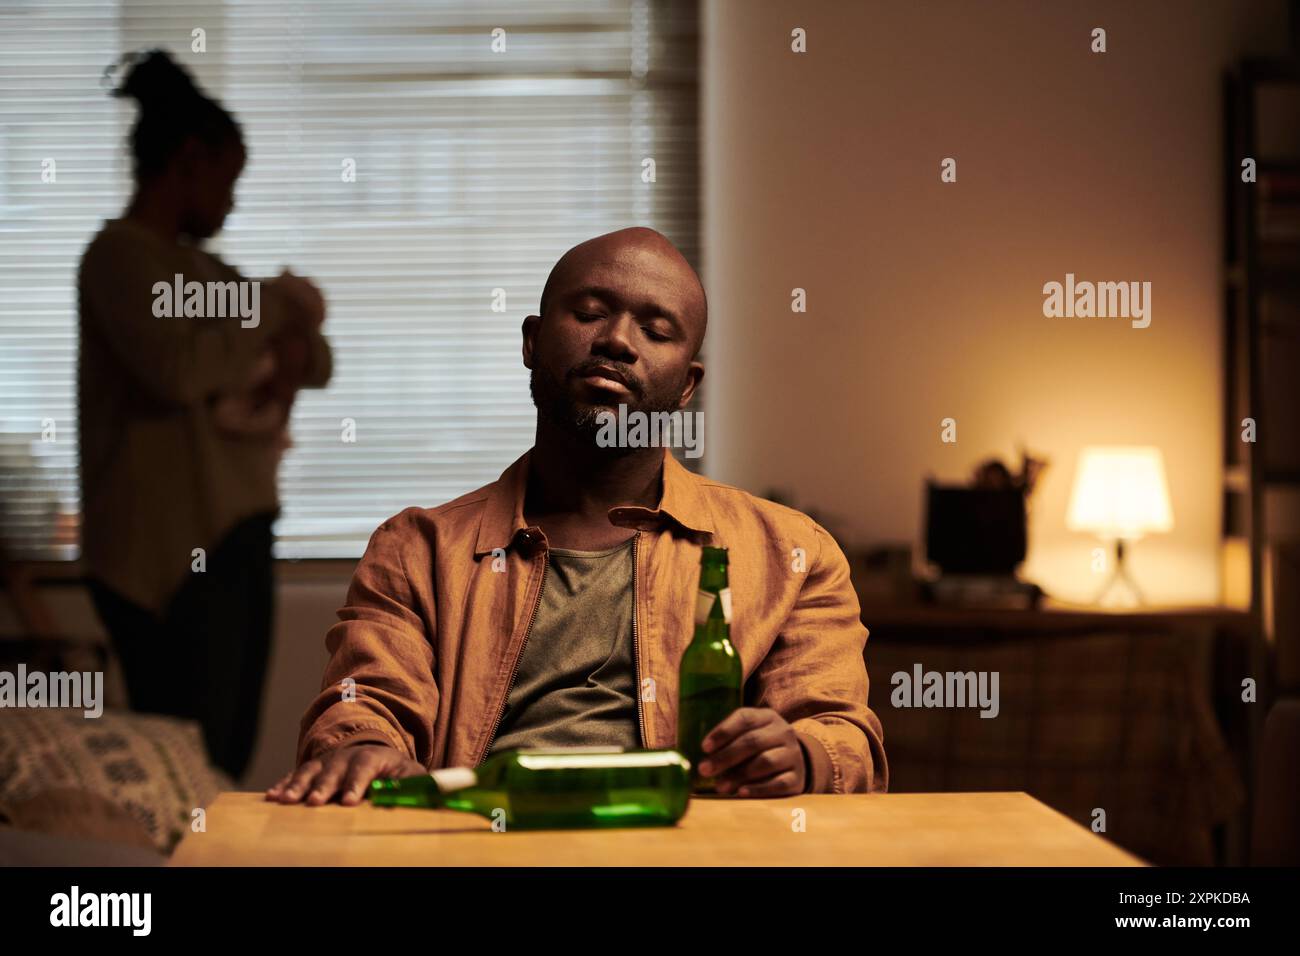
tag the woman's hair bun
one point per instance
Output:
(172, 109)
(153, 79)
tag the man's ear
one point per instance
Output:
(531, 324)
(694, 375)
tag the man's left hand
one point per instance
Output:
(754, 753)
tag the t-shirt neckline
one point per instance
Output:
(573, 553)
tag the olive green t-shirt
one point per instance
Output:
(576, 682)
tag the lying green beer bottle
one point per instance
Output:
(711, 679)
(554, 788)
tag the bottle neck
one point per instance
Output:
(713, 599)
(712, 612)
(439, 788)
(713, 577)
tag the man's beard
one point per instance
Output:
(584, 421)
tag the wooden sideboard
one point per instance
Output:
(1131, 720)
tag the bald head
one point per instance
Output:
(652, 274)
(622, 320)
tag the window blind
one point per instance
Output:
(424, 179)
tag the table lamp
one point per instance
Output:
(1120, 494)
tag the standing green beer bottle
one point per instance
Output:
(710, 683)
(554, 788)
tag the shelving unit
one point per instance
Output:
(1261, 513)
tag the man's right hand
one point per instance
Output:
(347, 772)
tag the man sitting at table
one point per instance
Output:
(551, 607)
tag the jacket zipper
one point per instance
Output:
(636, 651)
(514, 673)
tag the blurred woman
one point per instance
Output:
(184, 402)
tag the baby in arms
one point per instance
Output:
(260, 407)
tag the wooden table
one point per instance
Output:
(902, 829)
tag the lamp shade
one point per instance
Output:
(1120, 492)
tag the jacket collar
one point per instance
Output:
(682, 501)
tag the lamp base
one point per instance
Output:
(1120, 590)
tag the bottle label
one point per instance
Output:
(454, 778)
(704, 605)
(560, 759)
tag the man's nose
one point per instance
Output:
(615, 338)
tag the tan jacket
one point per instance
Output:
(442, 601)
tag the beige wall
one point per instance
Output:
(305, 610)
(821, 171)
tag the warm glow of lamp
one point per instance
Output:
(1120, 494)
